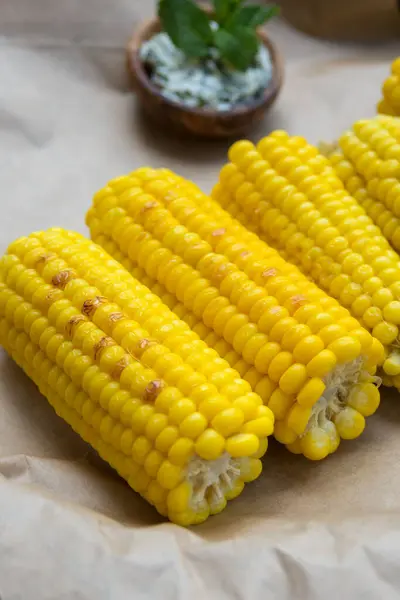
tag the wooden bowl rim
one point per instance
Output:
(135, 65)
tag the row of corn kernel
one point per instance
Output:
(290, 236)
(138, 303)
(354, 266)
(390, 103)
(356, 185)
(261, 384)
(232, 239)
(373, 149)
(197, 354)
(145, 217)
(98, 363)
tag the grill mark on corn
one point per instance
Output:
(143, 345)
(115, 317)
(270, 272)
(120, 366)
(73, 323)
(298, 300)
(148, 206)
(92, 304)
(142, 236)
(218, 232)
(170, 196)
(52, 296)
(153, 389)
(219, 272)
(45, 258)
(104, 342)
(61, 279)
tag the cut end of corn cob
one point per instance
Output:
(312, 364)
(351, 394)
(130, 378)
(390, 102)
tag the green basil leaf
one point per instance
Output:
(187, 25)
(223, 9)
(237, 46)
(251, 16)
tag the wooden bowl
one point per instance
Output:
(203, 122)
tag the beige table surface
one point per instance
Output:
(69, 528)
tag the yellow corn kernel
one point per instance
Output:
(242, 444)
(293, 379)
(279, 365)
(179, 498)
(298, 418)
(210, 445)
(279, 403)
(364, 398)
(284, 434)
(350, 423)
(390, 103)
(228, 421)
(391, 366)
(311, 392)
(251, 469)
(346, 349)
(322, 364)
(316, 444)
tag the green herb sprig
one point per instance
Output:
(190, 29)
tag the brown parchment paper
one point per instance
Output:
(69, 527)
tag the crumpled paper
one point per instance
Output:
(69, 527)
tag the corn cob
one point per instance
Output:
(290, 192)
(377, 196)
(135, 382)
(390, 103)
(357, 186)
(227, 283)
